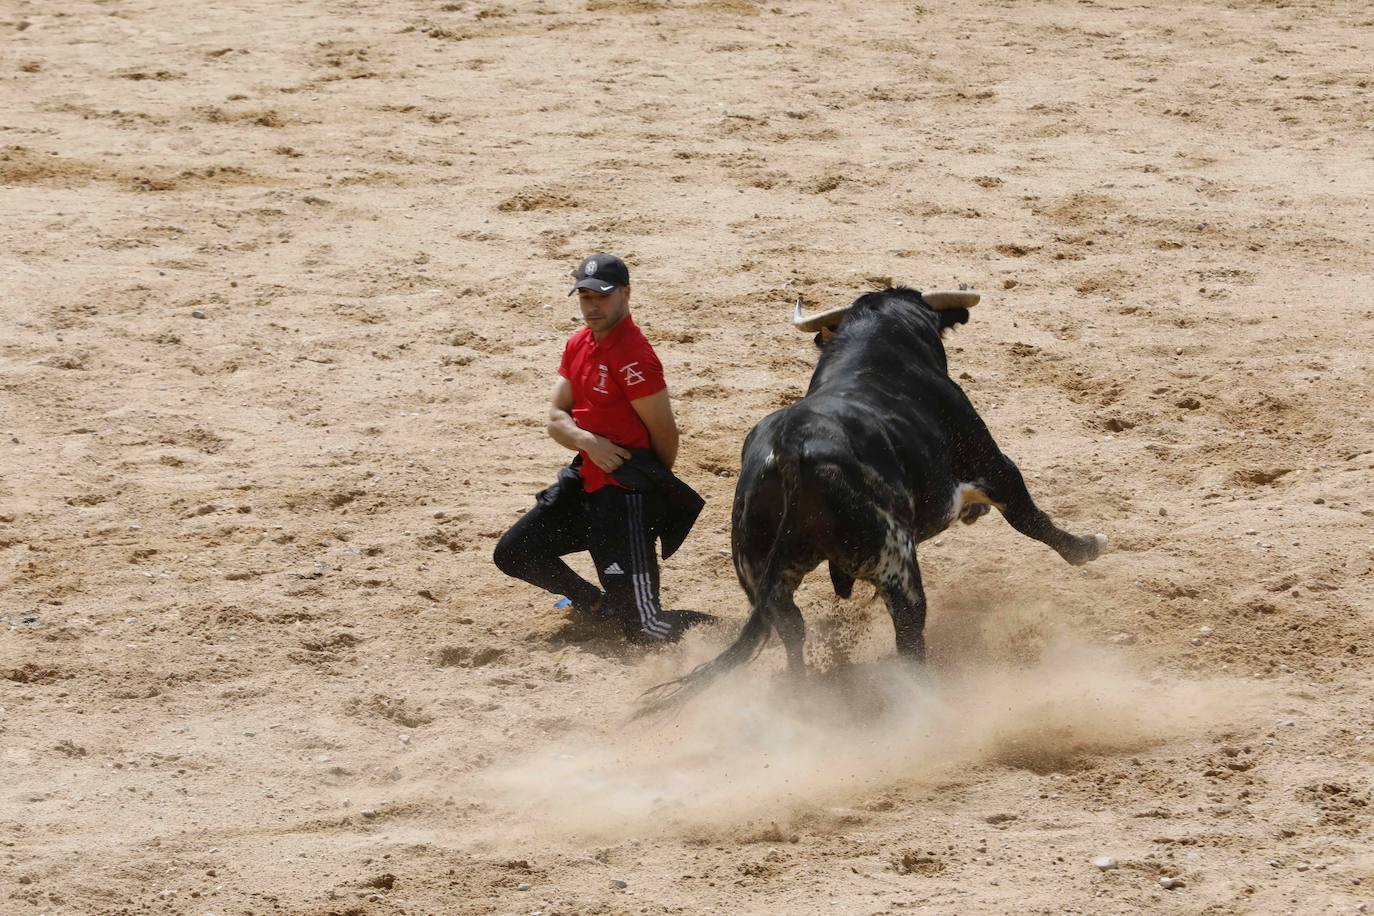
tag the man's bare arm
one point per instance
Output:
(657, 413)
(604, 453)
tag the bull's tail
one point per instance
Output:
(757, 628)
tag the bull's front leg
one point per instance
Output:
(899, 580)
(1006, 489)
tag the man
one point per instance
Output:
(611, 406)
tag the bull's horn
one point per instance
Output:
(812, 323)
(951, 299)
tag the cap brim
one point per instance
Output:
(591, 283)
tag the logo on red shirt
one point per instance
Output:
(632, 375)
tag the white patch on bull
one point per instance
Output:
(895, 559)
(965, 495)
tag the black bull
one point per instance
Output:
(883, 452)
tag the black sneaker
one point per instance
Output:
(678, 622)
(595, 613)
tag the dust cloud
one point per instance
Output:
(759, 746)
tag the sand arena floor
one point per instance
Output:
(281, 299)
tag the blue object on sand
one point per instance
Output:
(562, 603)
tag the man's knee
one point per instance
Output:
(508, 557)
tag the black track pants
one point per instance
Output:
(617, 526)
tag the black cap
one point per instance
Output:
(600, 272)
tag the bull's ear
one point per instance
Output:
(950, 317)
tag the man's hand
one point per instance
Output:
(604, 453)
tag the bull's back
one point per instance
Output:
(901, 441)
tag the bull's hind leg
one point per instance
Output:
(787, 619)
(1006, 489)
(899, 580)
(791, 627)
(780, 611)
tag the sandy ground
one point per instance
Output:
(281, 299)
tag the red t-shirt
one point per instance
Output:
(605, 378)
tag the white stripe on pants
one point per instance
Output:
(641, 571)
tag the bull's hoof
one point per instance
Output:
(974, 511)
(912, 659)
(1089, 549)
